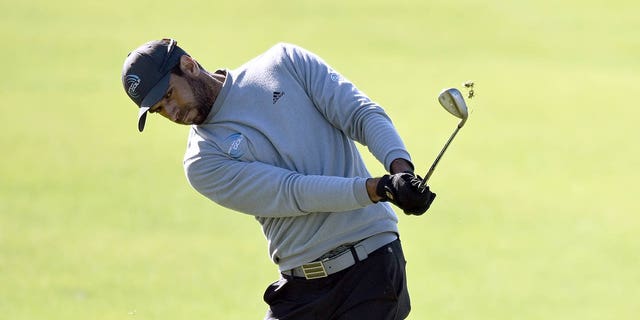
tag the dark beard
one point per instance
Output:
(204, 98)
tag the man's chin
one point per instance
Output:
(194, 116)
(199, 119)
(202, 115)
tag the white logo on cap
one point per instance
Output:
(132, 82)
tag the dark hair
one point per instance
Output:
(177, 71)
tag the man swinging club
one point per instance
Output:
(275, 139)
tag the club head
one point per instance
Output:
(453, 101)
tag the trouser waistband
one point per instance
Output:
(343, 260)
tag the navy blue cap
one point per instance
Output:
(146, 73)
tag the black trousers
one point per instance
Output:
(373, 289)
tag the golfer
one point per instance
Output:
(275, 139)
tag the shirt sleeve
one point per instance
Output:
(346, 107)
(264, 190)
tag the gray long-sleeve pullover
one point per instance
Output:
(279, 145)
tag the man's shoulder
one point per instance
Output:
(284, 47)
(200, 144)
(281, 57)
(285, 50)
(198, 141)
(293, 51)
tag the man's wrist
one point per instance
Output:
(372, 184)
(401, 165)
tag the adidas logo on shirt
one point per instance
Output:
(277, 95)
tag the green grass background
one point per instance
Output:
(537, 208)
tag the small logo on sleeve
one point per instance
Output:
(236, 145)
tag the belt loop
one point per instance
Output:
(361, 252)
(354, 254)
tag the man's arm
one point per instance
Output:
(363, 120)
(401, 165)
(372, 185)
(346, 107)
(265, 190)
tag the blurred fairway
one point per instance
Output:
(537, 208)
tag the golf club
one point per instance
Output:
(453, 101)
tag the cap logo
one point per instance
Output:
(132, 82)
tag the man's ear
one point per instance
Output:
(189, 66)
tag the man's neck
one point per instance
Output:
(217, 81)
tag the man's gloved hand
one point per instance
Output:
(402, 189)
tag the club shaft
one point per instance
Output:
(435, 163)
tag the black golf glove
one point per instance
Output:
(402, 189)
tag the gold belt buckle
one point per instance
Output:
(314, 270)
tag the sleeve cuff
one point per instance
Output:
(360, 192)
(395, 155)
